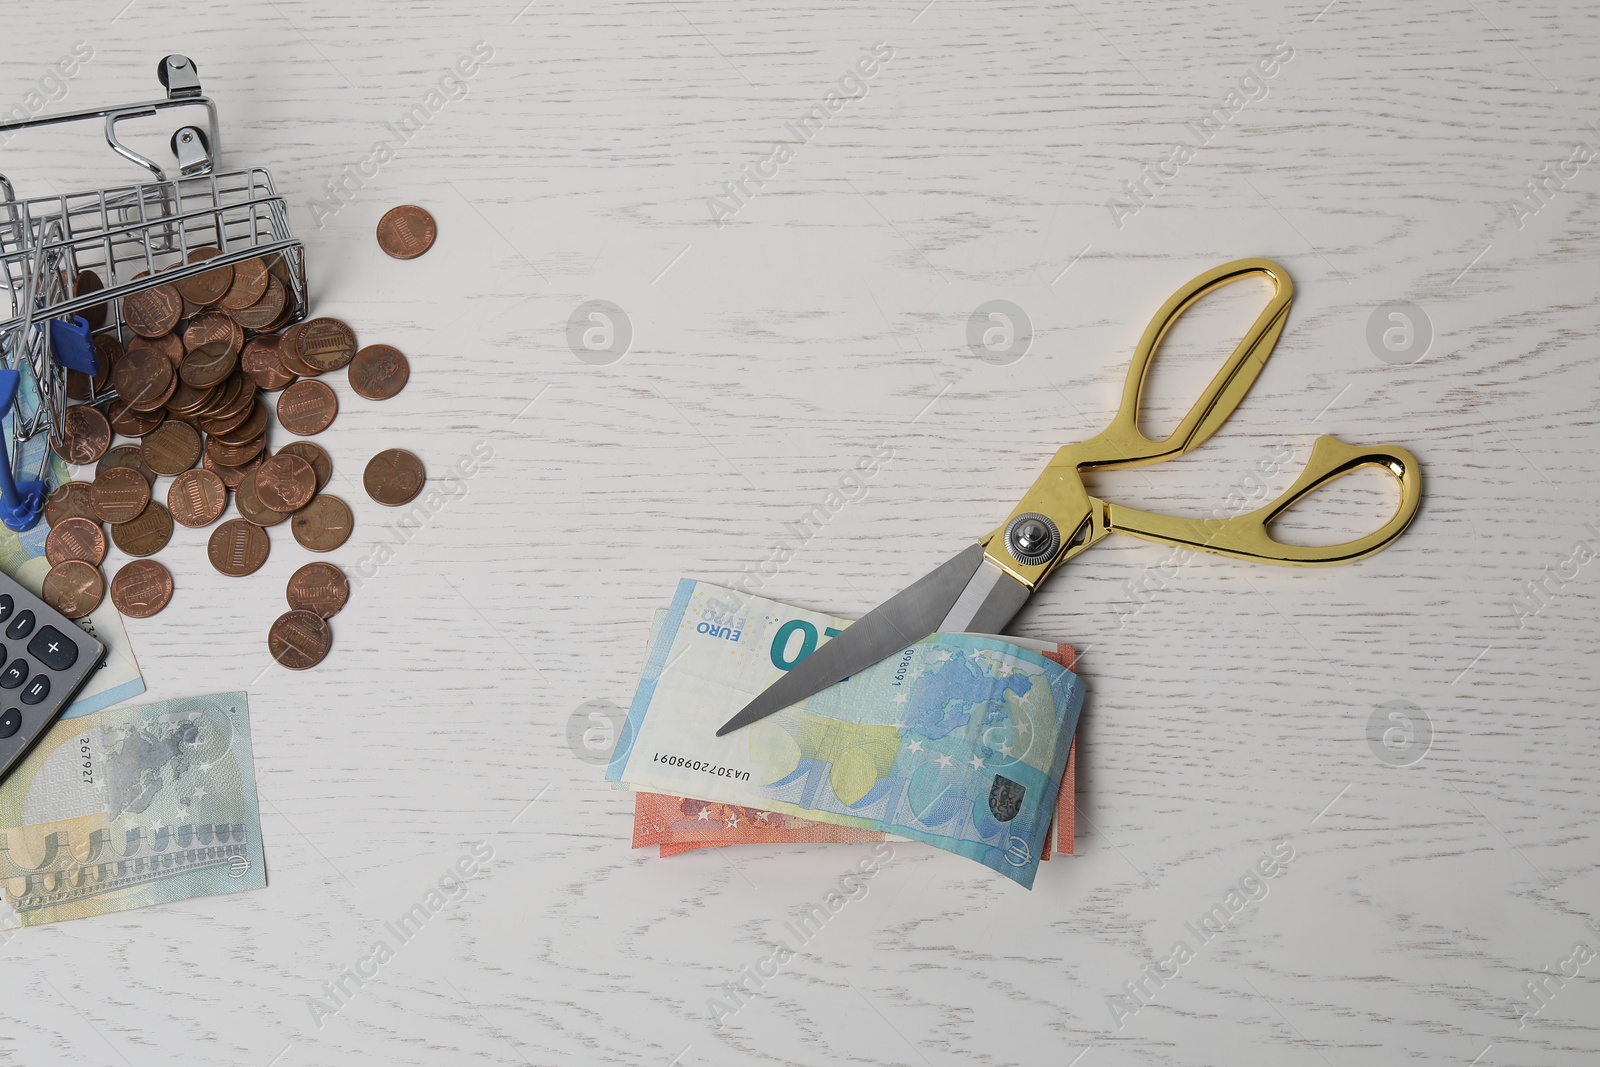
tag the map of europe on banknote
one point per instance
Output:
(958, 741)
(130, 807)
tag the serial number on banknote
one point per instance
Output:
(699, 765)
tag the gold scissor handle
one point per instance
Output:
(1246, 537)
(1123, 444)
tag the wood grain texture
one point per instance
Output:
(1228, 714)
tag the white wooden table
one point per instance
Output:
(1231, 714)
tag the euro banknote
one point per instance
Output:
(660, 819)
(130, 807)
(959, 741)
(681, 824)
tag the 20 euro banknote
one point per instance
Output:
(959, 741)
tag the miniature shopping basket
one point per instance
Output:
(131, 238)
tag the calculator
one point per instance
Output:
(44, 660)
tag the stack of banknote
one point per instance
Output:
(960, 741)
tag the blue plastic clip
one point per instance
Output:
(72, 345)
(21, 503)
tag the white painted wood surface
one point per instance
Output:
(1228, 715)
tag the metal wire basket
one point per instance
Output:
(131, 238)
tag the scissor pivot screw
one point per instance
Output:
(1032, 539)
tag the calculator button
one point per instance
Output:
(50, 647)
(22, 625)
(10, 723)
(7, 605)
(14, 675)
(36, 690)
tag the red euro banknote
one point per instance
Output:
(683, 824)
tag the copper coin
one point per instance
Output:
(204, 288)
(324, 524)
(254, 425)
(107, 350)
(147, 534)
(233, 422)
(238, 548)
(197, 498)
(307, 408)
(232, 477)
(326, 344)
(207, 328)
(320, 588)
(379, 372)
(314, 455)
(75, 588)
(143, 378)
(186, 401)
(70, 501)
(249, 283)
(141, 588)
(119, 494)
(214, 326)
(291, 308)
(248, 500)
(286, 483)
(407, 231)
(125, 456)
(236, 405)
(208, 364)
(227, 397)
(152, 312)
(393, 477)
(278, 267)
(263, 312)
(89, 282)
(299, 639)
(78, 386)
(289, 352)
(75, 538)
(154, 407)
(171, 448)
(131, 423)
(170, 345)
(85, 435)
(290, 358)
(227, 455)
(216, 399)
(261, 362)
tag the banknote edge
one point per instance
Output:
(655, 663)
(101, 701)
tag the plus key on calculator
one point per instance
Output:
(44, 660)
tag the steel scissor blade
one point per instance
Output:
(965, 593)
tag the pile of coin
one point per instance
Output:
(190, 388)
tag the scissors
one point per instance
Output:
(984, 586)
